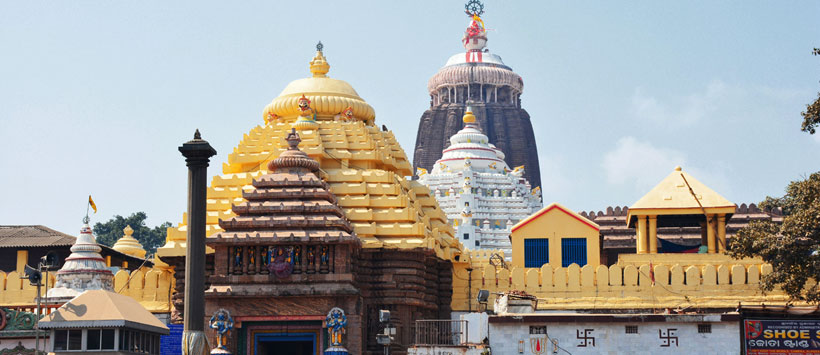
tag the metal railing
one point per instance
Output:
(441, 332)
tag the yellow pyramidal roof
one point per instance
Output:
(676, 194)
(363, 164)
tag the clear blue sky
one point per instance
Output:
(95, 97)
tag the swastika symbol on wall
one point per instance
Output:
(585, 337)
(668, 337)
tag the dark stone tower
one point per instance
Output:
(481, 80)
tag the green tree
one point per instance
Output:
(109, 232)
(811, 117)
(792, 247)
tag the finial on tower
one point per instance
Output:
(293, 139)
(469, 117)
(197, 135)
(319, 66)
(474, 8)
(475, 36)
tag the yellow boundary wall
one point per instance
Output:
(150, 287)
(617, 287)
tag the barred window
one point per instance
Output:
(631, 329)
(704, 328)
(534, 329)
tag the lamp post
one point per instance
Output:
(197, 153)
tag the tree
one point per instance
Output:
(792, 247)
(811, 117)
(151, 238)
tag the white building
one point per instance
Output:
(482, 196)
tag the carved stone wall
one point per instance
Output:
(507, 126)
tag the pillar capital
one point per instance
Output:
(197, 151)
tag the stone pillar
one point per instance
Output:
(653, 234)
(710, 233)
(197, 154)
(641, 233)
(721, 232)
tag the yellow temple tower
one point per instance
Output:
(364, 165)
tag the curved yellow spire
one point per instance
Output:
(129, 245)
(468, 115)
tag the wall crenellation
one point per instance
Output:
(631, 286)
(150, 287)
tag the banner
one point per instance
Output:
(790, 337)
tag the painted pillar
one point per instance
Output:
(22, 260)
(710, 233)
(721, 232)
(641, 231)
(197, 154)
(653, 234)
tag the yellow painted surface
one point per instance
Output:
(680, 194)
(22, 260)
(364, 165)
(722, 284)
(673, 194)
(150, 287)
(555, 222)
(129, 245)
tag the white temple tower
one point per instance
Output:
(84, 269)
(482, 197)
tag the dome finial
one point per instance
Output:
(469, 117)
(319, 66)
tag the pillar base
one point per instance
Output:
(195, 342)
(336, 350)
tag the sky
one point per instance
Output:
(96, 96)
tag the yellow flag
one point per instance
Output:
(91, 202)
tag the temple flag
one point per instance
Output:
(92, 204)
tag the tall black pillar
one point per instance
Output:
(197, 154)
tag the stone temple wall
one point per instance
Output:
(507, 126)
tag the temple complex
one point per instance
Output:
(480, 79)
(405, 240)
(482, 197)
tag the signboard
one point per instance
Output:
(171, 344)
(781, 337)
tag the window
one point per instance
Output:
(534, 329)
(124, 337)
(92, 339)
(108, 339)
(704, 328)
(631, 329)
(573, 251)
(466, 236)
(75, 340)
(536, 252)
(60, 340)
(477, 243)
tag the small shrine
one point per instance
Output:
(680, 200)
(85, 269)
(482, 197)
(102, 321)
